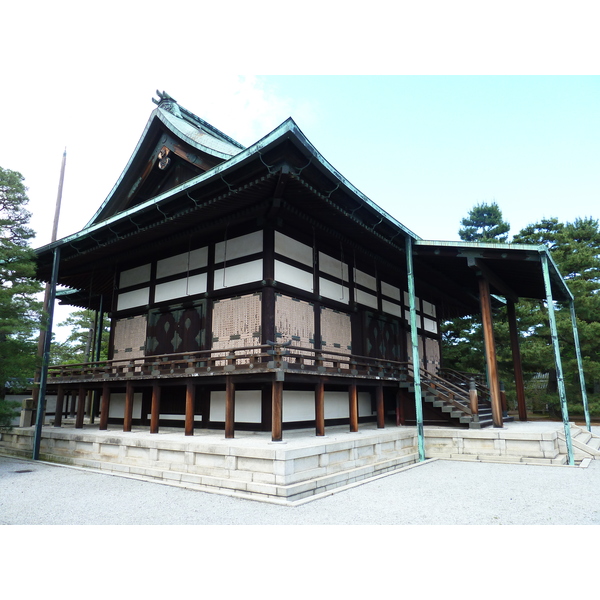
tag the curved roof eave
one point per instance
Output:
(170, 124)
(288, 127)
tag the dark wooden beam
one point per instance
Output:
(490, 350)
(155, 408)
(353, 400)
(190, 404)
(380, 407)
(484, 270)
(104, 407)
(517, 364)
(229, 408)
(320, 408)
(277, 422)
(127, 419)
(80, 407)
(58, 411)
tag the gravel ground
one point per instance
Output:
(437, 493)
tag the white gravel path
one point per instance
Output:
(437, 493)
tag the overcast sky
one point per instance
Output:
(449, 115)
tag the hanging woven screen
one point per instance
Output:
(295, 322)
(336, 333)
(130, 338)
(237, 322)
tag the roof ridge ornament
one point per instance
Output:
(167, 103)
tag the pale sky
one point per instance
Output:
(425, 147)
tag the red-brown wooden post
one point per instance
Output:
(490, 350)
(473, 397)
(128, 418)
(380, 407)
(353, 399)
(80, 408)
(517, 364)
(320, 408)
(155, 408)
(190, 404)
(277, 411)
(104, 407)
(229, 408)
(58, 411)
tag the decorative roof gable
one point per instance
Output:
(175, 147)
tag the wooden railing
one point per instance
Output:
(463, 380)
(265, 357)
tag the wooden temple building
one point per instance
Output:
(257, 289)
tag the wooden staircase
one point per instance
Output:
(451, 400)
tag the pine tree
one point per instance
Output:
(484, 224)
(19, 308)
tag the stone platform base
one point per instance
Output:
(303, 467)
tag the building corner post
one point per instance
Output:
(415, 348)
(584, 398)
(41, 404)
(559, 371)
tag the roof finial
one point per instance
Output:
(167, 103)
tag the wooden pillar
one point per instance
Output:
(58, 412)
(277, 412)
(190, 404)
(73, 404)
(490, 350)
(128, 406)
(401, 398)
(320, 408)
(155, 407)
(104, 407)
(380, 407)
(353, 399)
(80, 408)
(516, 354)
(229, 408)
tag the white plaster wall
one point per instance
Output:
(117, 406)
(244, 245)
(134, 276)
(429, 325)
(247, 406)
(239, 274)
(292, 276)
(391, 308)
(293, 249)
(132, 299)
(365, 279)
(366, 299)
(182, 262)
(390, 290)
(332, 266)
(188, 286)
(335, 291)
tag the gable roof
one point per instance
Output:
(172, 133)
(283, 174)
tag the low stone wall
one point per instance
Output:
(494, 445)
(267, 470)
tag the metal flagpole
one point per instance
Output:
(46, 329)
(586, 409)
(415, 349)
(559, 372)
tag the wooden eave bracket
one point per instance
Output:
(482, 269)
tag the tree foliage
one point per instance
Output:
(575, 248)
(80, 345)
(484, 224)
(19, 308)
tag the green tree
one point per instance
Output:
(484, 224)
(462, 338)
(575, 247)
(19, 308)
(79, 346)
